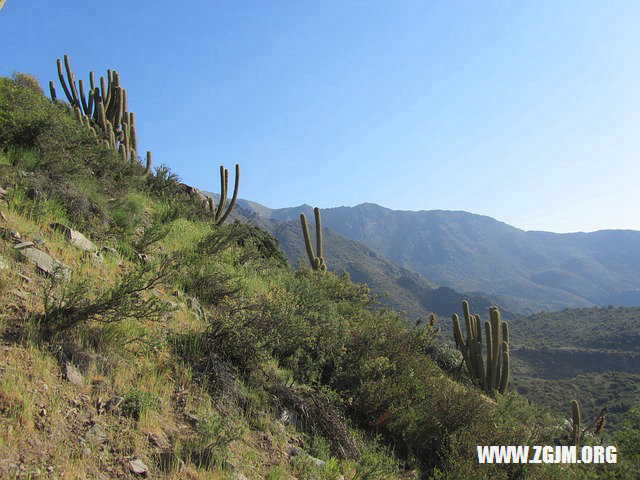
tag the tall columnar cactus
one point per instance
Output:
(575, 420)
(219, 213)
(316, 260)
(492, 375)
(103, 110)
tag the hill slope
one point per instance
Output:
(592, 354)
(524, 271)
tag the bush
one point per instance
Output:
(71, 304)
(135, 402)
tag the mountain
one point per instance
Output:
(405, 290)
(526, 271)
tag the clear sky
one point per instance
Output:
(526, 111)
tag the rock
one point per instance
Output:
(290, 418)
(38, 239)
(22, 245)
(19, 293)
(4, 219)
(193, 419)
(196, 194)
(159, 440)
(195, 306)
(292, 451)
(97, 257)
(110, 250)
(138, 468)
(96, 434)
(3, 193)
(317, 461)
(75, 238)
(113, 404)
(9, 234)
(73, 375)
(3, 264)
(45, 262)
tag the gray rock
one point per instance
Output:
(195, 306)
(97, 257)
(73, 375)
(290, 418)
(38, 239)
(159, 440)
(3, 192)
(138, 468)
(22, 245)
(75, 238)
(317, 461)
(45, 262)
(3, 264)
(96, 434)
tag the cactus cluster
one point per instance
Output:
(103, 109)
(492, 375)
(219, 213)
(316, 260)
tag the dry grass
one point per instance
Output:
(46, 422)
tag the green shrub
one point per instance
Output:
(67, 305)
(135, 402)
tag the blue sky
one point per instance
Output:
(528, 112)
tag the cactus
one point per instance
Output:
(575, 420)
(493, 374)
(219, 213)
(103, 110)
(316, 260)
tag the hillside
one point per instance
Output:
(400, 288)
(524, 271)
(592, 354)
(141, 335)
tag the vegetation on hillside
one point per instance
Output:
(589, 353)
(194, 349)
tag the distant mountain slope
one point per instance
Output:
(591, 354)
(406, 290)
(525, 271)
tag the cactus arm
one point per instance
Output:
(147, 167)
(235, 195)
(72, 81)
(496, 341)
(52, 91)
(481, 373)
(316, 212)
(576, 418)
(307, 239)
(63, 82)
(457, 333)
(83, 98)
(490, 359)
(218, 213)
(504, 378)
